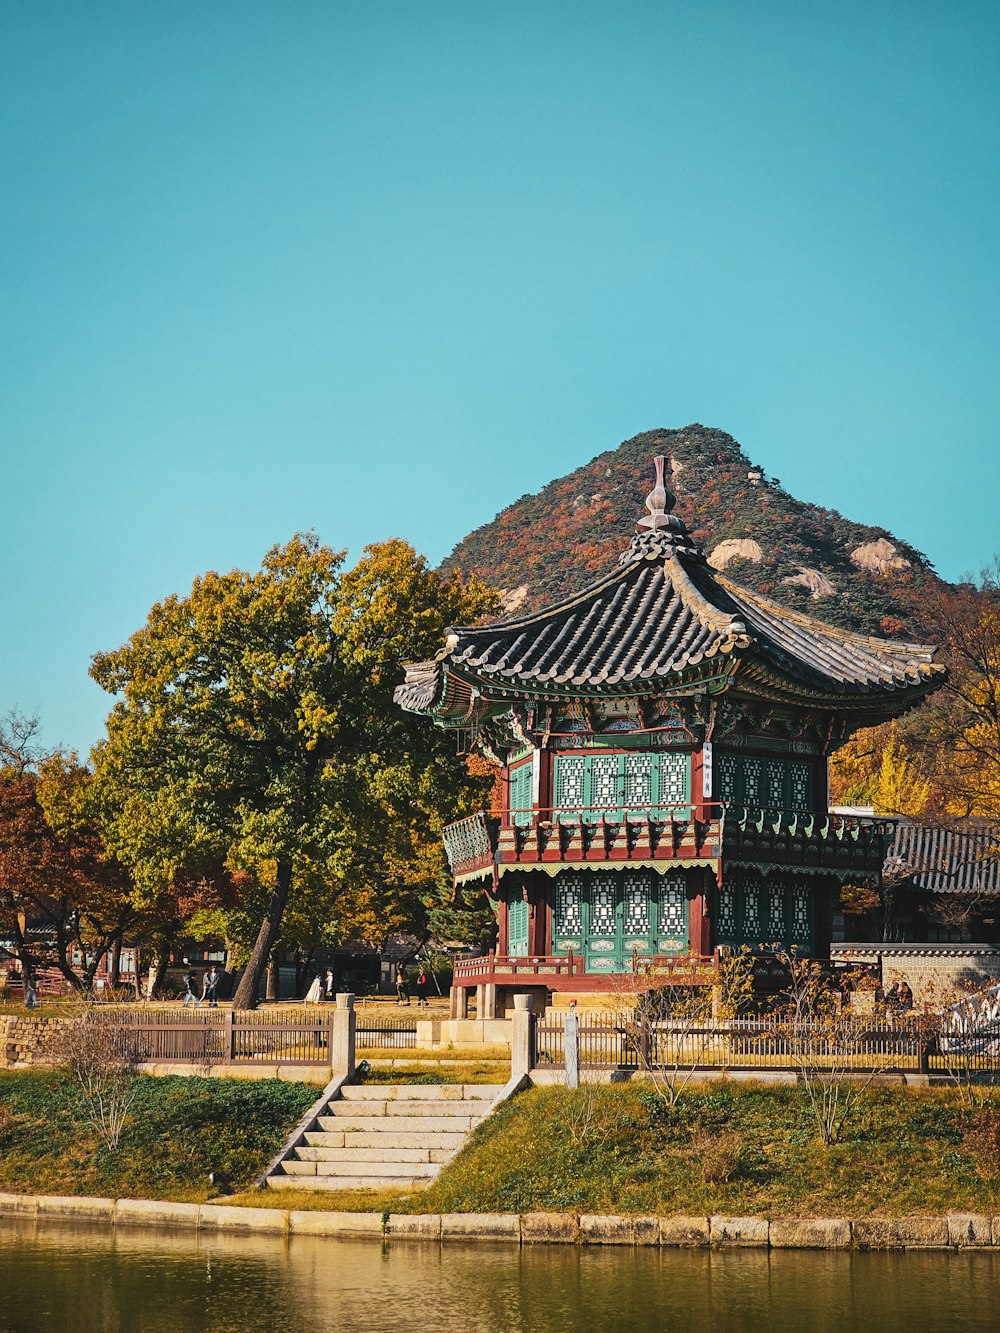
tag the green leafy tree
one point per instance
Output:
(255, 727)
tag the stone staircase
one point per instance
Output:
(383, 1136)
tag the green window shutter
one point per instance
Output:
(605, 795)
(569, 782)
(674, 779)
(638, 783)
(520, 793)
(729, 778)
(517, 927)
(800, 795)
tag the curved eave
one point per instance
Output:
(826, 658)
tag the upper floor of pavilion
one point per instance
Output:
(667, 649)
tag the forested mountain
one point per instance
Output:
(547, 545)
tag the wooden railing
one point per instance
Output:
(493, 966)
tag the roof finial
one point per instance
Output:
(659, 502)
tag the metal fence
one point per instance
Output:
(623, 1041)
(377, 1032)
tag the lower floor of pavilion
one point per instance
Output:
(580, 929)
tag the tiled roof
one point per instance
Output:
(943, 860)
(663, 616)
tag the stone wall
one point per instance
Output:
(25, 1038)
(936, 973)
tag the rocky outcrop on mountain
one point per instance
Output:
(550, 544)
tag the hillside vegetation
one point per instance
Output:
(547, 545)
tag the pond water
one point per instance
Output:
(96, 1281)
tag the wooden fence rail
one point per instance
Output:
(225, 1036)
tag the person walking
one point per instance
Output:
(30, 991)
(189, 992)
(209, 988)
(402, 985)
(329, 986)
(315, 992)
(422, 988)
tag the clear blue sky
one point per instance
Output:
(380, 268)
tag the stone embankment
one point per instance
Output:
(959, 1231)
(25, 1038)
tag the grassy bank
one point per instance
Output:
(725, 1148)
(179, 1130)
(735, 1149)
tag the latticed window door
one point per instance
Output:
(567, 911)
(613, 786)
(673, 915)
(770, 784)
(568, 795)
(603, 938)
(765, 912)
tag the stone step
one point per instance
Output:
(421, 1092)
(347, 1182)
(364, 1154)
(406, 1109)
(402, 1170)
(434, 1141)
(414, 1125)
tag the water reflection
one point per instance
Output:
(98, 1281)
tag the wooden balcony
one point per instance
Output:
(484, 845)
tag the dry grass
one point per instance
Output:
(327, 1201)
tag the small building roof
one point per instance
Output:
(665, 620)
(944, 860)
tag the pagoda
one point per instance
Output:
(663, 738)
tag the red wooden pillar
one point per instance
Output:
(503, 924)
(700, 914)
(821, 783)
(823, 891)
(540, 915)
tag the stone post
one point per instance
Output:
(522, 1044)
(342, 1047)
(571, 1045)
(459, 1006)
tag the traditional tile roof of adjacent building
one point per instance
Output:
(943, 860)
(665, 618)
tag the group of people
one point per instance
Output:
(403, 986)
(209, 988)
(323, 987)
(898, 999)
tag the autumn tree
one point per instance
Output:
(959, 730)
(254, 725)
(60, 889)
(876, 767)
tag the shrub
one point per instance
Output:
(982, 1142)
